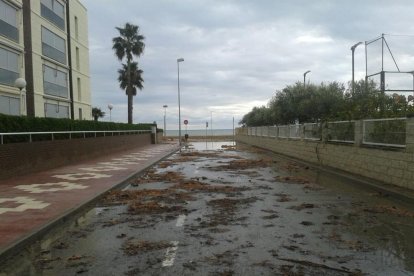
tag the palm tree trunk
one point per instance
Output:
(129, 93)
(130, 104)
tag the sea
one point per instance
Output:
(200, 132)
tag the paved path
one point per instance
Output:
(243, 212)
(28, 203)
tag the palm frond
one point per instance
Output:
(135, 76)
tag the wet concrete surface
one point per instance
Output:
(219, 210)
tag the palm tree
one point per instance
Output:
(128, 45)
(135, 77)
(97, 113)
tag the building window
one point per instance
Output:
(80, 113)
(8, 21)
(77, 59)
(79, 89)
(56, 111)
(55, 82)
(53, 11)
(53, 46)
(9, 105)
(9, 67)
(76, 28)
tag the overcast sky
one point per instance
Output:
(238, 53)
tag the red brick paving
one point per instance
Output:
(17, 225)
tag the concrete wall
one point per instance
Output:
(389, 165)
(22, 158)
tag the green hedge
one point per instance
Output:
(33, 124)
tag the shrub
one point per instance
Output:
(34, 124)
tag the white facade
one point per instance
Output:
(52, 55)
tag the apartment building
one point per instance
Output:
(46, 43)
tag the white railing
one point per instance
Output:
(384, 132)
(31, 136)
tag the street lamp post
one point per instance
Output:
(21, 84)
(304, 77)
(211, 125)
(165, 116)
(412, 73)
(179, 104)
(110, 106)
(353, 72)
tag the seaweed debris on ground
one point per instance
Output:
(152, 176)
(292, 179)
(193, 185)
(151, 207)
(243, 164)
(134, 247)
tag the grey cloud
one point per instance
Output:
(237, 53)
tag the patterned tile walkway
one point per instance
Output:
(29, 202)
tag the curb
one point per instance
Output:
(66, 217)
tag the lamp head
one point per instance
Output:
(165, 106)
(180, 60)
(20, 83)
(110, 106)
(307, 72)
(356, 45)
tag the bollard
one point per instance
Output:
(153, 134)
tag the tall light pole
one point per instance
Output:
(211, 125)
(412, 73)
(179, 105)
(165, 116)
(110, 106)
(21, 84)
(304, 77)
(353, 71)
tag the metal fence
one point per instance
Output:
(283, 131)
(294, 131)
(312, 131)
(18, 137)
(380, 132)
(265, 131)
(272, 131)
(384, 132)
(341, 131)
